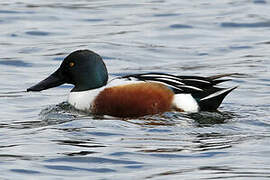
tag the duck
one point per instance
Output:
(132, 95)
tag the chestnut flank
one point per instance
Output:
(133, 100)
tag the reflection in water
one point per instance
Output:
(80, 153)
(213, 141)
(84, 143)
(204, 119)
(157, 124)
(201, 119)
(66, 112)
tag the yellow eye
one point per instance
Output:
(71, 64)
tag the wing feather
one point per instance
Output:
(201, 88)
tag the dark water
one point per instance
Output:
(42, 137)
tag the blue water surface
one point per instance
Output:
(42, 137)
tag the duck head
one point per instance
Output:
(83, 68)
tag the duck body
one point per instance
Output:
(132, 95)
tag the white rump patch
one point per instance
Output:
(185, 102)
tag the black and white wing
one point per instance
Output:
(203, 89)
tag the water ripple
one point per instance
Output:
(180, 26)
(38, 33)
(71, 168)
(90, 160)
(16, 63)
(25, 171)
(245, 25)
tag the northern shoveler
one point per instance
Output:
(132, 95)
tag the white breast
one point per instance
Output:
(82, 100)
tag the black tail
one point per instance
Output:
(213, 101)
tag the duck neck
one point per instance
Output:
(90, 81)
(89, 85)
